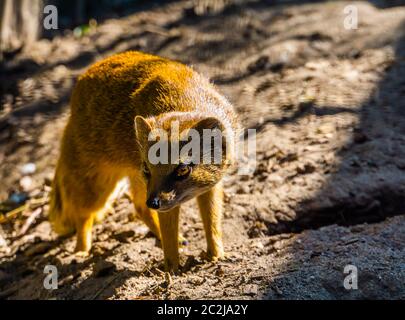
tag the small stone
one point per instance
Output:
(28, 168)
(278, 245)
(26, 183)
(250, 290)
(259, 245)
(305, 168)
(3, 242)
(141, 231)
(102, 237)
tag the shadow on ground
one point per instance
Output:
(321, 255)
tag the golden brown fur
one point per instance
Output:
(114, 106)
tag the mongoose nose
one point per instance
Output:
(153, 203)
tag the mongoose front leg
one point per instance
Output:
(84, 227)
(169, 229)
(151, 219)
(210, 204)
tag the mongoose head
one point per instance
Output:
(183, 155)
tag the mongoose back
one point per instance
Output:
(115, 107)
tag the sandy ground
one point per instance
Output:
(328, 105)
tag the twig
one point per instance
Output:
(39, 201)
(30, 220)
(161, 31)
(32, 202)
(13, 213)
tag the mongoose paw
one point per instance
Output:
(171, 268)
(209, 256)
(82, 254)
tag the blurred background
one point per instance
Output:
(21, 20)
(328, 106)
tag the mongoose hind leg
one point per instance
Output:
(210, 204)
(96, 202)
(85, 194)
(85, 216)
(84, 227)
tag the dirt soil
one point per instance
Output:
(328, 191)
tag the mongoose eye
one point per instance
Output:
(183, 170)
(145, 170)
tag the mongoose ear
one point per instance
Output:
(219, 151)
(142, 127)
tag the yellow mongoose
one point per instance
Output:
(115, 106)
